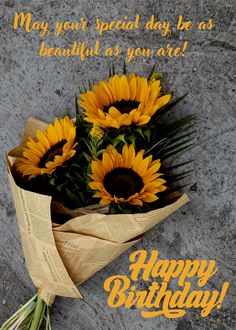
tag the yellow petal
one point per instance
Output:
(138, 159)
(58, 130)
(143, 120)
(144, 90)
(32, 157)
(114, 112)
(102, 95)
(43, 139)
(33, 148)
(125, 87)
(52, 135)
(96, 185)
(160, 103)
(132, 87)
(107, 163)
(136, 201)
(142, 169)
(153, 168)
(149, 198)
(108, 90)
(105, 201)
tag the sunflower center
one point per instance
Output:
(123, 182)
(49, 156)
(123, 106)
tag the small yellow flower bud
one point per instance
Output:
(96, 132)
(155, 76)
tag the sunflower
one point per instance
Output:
(122, 101)
(127, 177)
(53, 148)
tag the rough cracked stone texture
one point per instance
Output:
(40, 87)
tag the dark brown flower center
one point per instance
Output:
(51, 153)
(123, 182)
(123, 106)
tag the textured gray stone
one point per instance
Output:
(44, 88)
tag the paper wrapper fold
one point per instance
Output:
(59, 257)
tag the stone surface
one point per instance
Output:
(44, 88)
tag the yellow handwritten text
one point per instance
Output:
(124, 24)
(167, 269)
(164, 27)
(62, 27)
(158, 297)
(80, 49)
(25, 21)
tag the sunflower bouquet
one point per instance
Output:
(88, 188)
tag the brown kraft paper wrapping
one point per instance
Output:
(62, 256)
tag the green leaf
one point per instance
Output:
(76, 105)
(151, 72)
(111, 71)
(180, 176)
(88, 146)
(90, 84)
(179, 123)
(100, 152)
(169, 106)
(154, 146)
(85, 88)
(124, 68)
(170, 168)
(140, 132)
(112, 209)
(132, 139)
(68, 176)
(147, 133)
(176, 133)
(86, 156)
(52, 181)
(73, 198)
(180, 187)
(175, 146)
(180, 150)
(168, 141)
(59, 188)
(118, 139)
(182, 137)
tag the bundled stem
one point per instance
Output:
(38, 314)
(30, 316)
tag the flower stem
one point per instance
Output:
(29, 316)
(38, 314)
(23, 313)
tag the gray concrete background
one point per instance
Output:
(205, 228)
